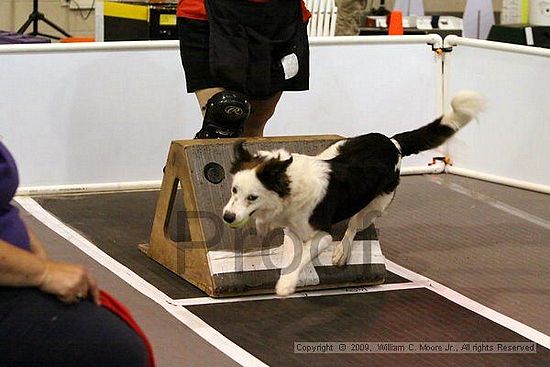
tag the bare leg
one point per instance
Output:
(260, 113)
(359, 221)
(304, 253)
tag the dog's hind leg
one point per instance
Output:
(359, 221)
(342, 250)
(304, 253)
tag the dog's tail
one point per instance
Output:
(465, 106)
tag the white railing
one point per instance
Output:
(510, 143)
(99, 116)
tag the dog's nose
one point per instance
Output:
(229, 217)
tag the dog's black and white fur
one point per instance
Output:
(354, 178)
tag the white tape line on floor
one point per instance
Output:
(329, 292)
(458, 298)
(494, 203)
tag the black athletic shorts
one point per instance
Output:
(254, 48)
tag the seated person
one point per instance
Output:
(50, 313)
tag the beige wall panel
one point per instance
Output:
(6, 15)
(13, 13)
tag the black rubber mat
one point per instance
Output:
(118, 222)
(491, 257)
(268, 329)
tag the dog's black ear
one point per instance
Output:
(240, 153)
(272, 174)
(241, 156)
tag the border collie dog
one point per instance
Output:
(353, 179)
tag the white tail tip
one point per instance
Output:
(466, 105)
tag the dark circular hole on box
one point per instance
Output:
(214, 173)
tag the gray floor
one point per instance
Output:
(462, 241)
(498, 259)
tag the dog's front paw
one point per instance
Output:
(286, 285)
(340, 255)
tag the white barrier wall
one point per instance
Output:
(85, 114)
(103, 113)
(365, 84)
(512, 138)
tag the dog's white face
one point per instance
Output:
(259, 186)
(249, 198)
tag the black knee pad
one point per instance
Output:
(225, 115)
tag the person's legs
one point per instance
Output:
(225, 113)
(38, 330)
(349, 15)
(194, 50)
(260, 113)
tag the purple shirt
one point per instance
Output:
(12, 228)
